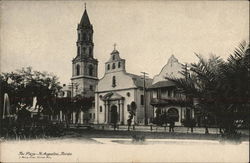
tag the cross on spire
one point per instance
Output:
(114, 46)
(85, 5)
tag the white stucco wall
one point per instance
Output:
(171, 69)
(123, 81)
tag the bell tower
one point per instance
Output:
(84, 65)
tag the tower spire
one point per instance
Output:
(85, 18)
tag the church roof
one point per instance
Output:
(138, 80)
(162, 84)
(85, 19)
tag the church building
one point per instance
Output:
(117, 90)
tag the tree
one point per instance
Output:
(22, 85)
(65, 105)
(222, 88)
(81, 103)
(234, 90)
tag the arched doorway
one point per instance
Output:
(114, 114)
(173, 113)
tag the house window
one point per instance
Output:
(142, 99)
(119, 64)
(100, 108)
(77, 69)
(113, 66)
(91, 87)
(158, 91)
(113, 81)
(108, 67)
(93, 115)
(174, 93)
(84, 50)
(90, 115)
(90, 70)
(169, 93)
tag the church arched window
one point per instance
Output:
(77, 69)
(113, 81)
(108, 67)
(79, 35)
(78, 50)
(113, 66)
(84, 36)
(113, 57)
(90, 70)
(90, 51)
(89, 38)
(119, 64)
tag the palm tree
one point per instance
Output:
(222, 88)
(234, 88)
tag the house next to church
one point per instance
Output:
(165, 97)
(117, 90)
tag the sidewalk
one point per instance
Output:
(177, 129)
(149, 128)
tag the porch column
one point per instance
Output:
(153, 111)
(119, 114)
(105, 110)
(81, 117)
(123, 112)
(73, 118)
(61, 118)
(192, 110)
(108, 119)
(181, 113)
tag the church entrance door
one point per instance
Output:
(114, 114)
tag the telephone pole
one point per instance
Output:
(144, 98)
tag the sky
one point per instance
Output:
(42, 34)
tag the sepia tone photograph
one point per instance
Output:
(124, 81)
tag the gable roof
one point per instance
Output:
(139, 81)
(162, 84)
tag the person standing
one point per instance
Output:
(171, 126)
